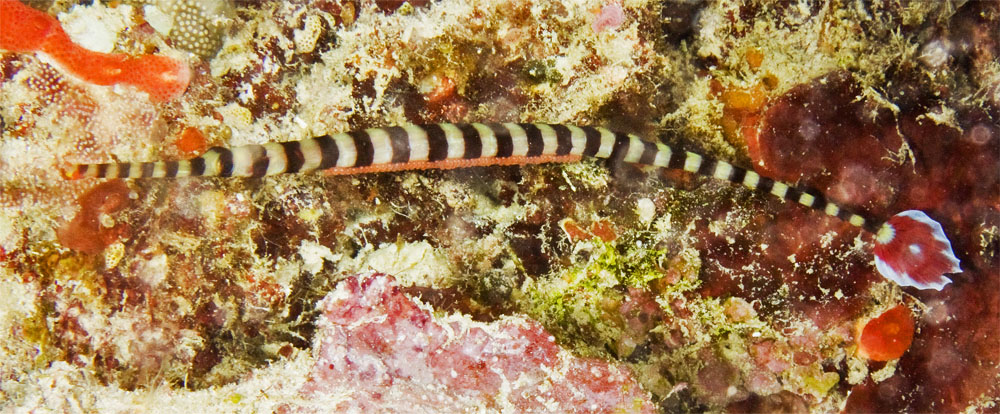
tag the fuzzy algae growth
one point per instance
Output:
(582, 304)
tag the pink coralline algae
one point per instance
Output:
(610, 17)
(393, 355)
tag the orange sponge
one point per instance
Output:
(23, 29)
(887, 336)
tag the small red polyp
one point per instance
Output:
(887, 336)
(23, 29)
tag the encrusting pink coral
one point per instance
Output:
(392, 355)
(610, 17)
(23, 29)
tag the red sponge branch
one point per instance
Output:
(23, 29)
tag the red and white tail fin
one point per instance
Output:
(912, 250)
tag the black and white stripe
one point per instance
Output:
(446, 142)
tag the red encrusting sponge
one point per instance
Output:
(23, 29)
(886, 336)
(912, 250)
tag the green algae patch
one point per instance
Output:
(587, 306)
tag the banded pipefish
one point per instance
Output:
(911, 249)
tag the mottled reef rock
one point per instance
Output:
(222, 294)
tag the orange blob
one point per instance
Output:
(573, 231)
(85, 233)
(191, 142)
(741, 109)
(887, 336)
(604, 230)
(744, 99)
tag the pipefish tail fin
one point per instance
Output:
(911, 249)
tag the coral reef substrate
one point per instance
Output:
(208, 294)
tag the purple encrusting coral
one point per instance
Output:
(684, 294)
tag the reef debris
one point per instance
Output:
(714, 298)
